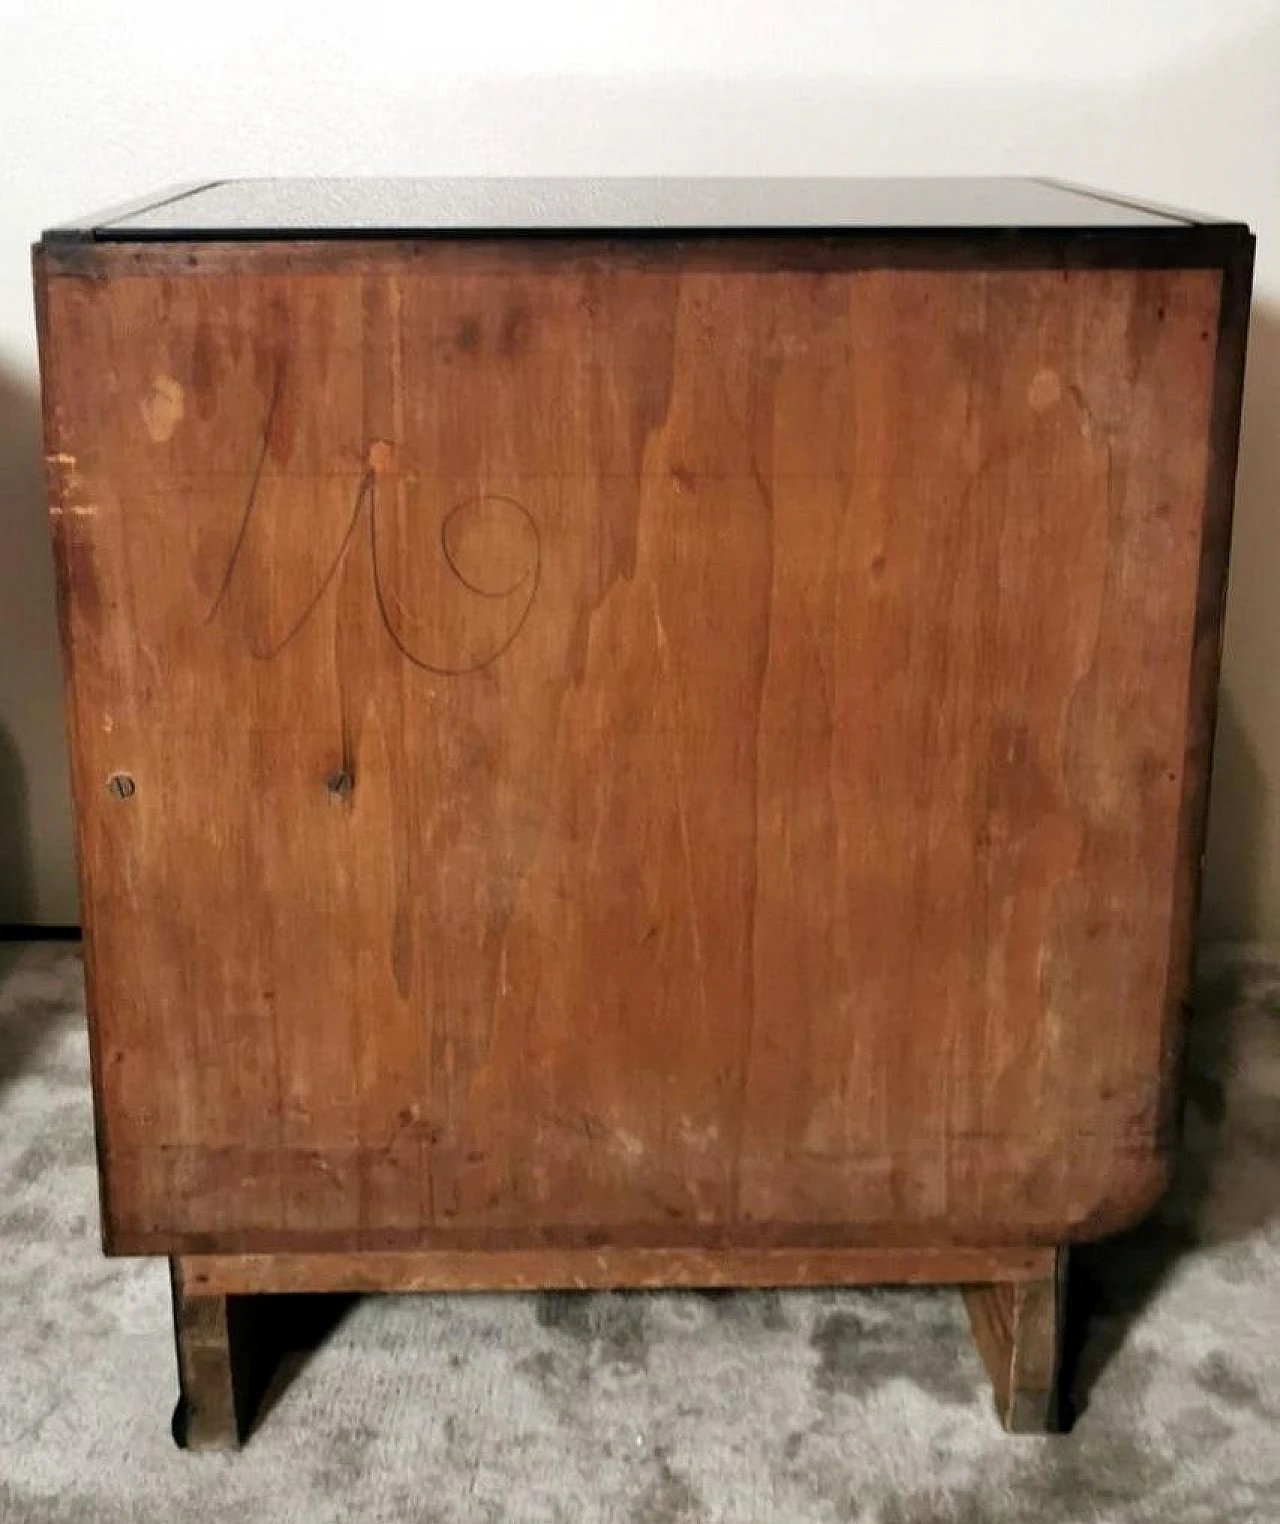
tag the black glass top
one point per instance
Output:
(325, 208)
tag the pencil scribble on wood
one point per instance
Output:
(365, 501)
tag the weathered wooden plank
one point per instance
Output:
(761, 703)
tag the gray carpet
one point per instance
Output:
(662, 1409)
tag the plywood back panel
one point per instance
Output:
(627, 748)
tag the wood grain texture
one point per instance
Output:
(1017, 1327)
(1206, 660)
(765, 693)
(218, 1360)
(605, 1269)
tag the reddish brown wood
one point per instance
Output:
(765, 696)
(605, 1268)
(219, 1299)
(1214, 247)
(1206, 659)
(221, 1352)
(1017, 1327)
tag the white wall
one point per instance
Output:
(1174, 100)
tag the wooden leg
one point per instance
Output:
(230, 1317)
(219, 1365)
(1017, 1327)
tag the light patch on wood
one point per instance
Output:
(163, 407)
(628, 1144)
(1045, 390)
(703, 1139)
(382, 455)
(65, 497)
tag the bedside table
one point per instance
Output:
(637, 733)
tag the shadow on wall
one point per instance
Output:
(1241, 896)
(17, 869)
(31, 727)
(1235, 870)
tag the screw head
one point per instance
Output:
(340, 783)
(121, 785)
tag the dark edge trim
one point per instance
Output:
(1203, 676)
(819, 232)
(85, 229)
(42, 267)
(1132, 203)
(1181, 246)
(106, 226)
(16, 931)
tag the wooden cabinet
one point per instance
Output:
(638, 733)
